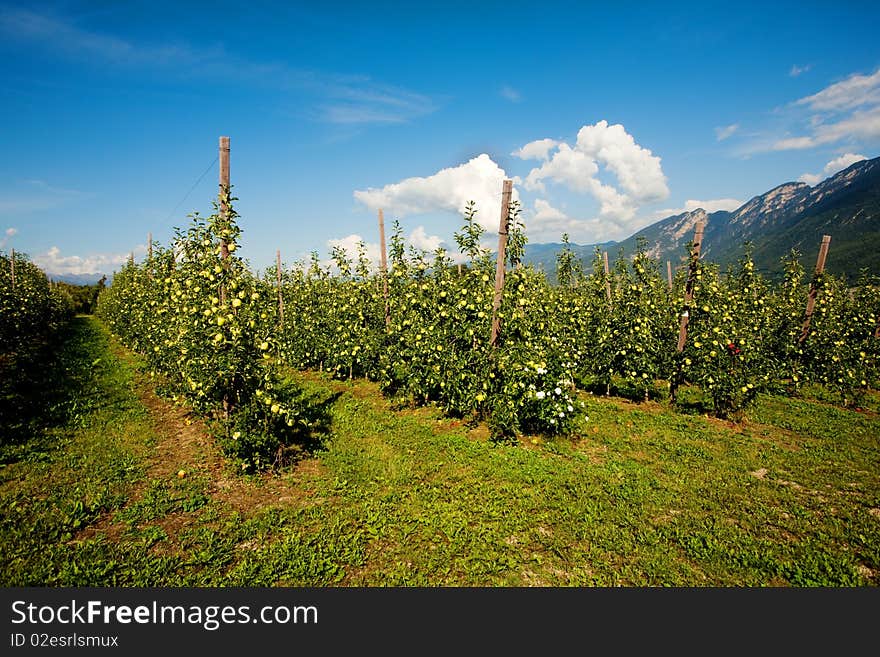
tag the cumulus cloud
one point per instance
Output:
(638, 173)
(479, 180)
(8, 234)
(723, 132)
(546, 223)
(536, 150)
(418, 238)
(637, 170)
(52, 262)
(835, 165)
(546, 212)
(350, 245)
(568, 166)
(424, 242)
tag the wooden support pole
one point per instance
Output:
(689, 286)
(506, 191)
(150, 255)
(607, 276)
(224, 177)
(223, 157)
(383, 267)
(814, 287)
(224, 208)
(12, 267)
(278, 283)
(669, 273)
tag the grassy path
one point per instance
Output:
(645, 497)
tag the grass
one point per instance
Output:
(646, 496)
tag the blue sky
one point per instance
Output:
(607, 116)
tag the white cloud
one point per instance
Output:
(509, 93)
(848, 110)
(418, 238)
(350, 245)
(711, 205)
(852, 92)
(863, 125)
(835, 165)
(723, 132)
(52, 262)
(10, 232)
(479, 180)
(421, 240)
(612, 204)
(536, 150)
(637, 170)
(568, 166)
(546, 212)
(811, 178)
(794, 143)
(546, 223)
(798, 70)
(860, 125)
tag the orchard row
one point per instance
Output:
(216, 334)
(31, 309)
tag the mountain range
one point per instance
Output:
(80, 279)
(793, 215)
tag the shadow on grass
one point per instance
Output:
(309, 435)
(318, 416)
(626, 389)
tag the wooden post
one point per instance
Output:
(689, 286)
(12, 267)
(607, 276)
(459, 270)
(224, 184)
(223, 156)
(669, 274)
(506, 190)
(383, 266)
(150, 255)
(224, 208)
(814, 288)
(278, 281)
(677, 377)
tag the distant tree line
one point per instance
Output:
(84, 297)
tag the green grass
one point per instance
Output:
(645, 497)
